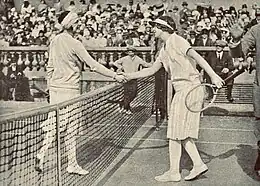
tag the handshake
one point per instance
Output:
(122, 77)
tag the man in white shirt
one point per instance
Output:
(128, 64)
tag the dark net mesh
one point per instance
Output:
(92, 123)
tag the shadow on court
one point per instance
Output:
(246, 158)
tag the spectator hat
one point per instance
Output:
(257, 11)
(159, 7)
(244, 6)
(18, 31)
(224, 29)
(192, 32)
(165, 21)
(175, 8)
(184, 3)
(221, 43)
(131, 48)
(124, 9)
(204, 31)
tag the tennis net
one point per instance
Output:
(101, 132)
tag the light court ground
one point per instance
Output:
(226, 144)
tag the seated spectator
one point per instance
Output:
(233, 11)
(183, 10)
(199, 27)
(207, 22)
(192, 38)
(42, 6)
(41, 40)
(94, 7)
(3, 85)
(244, 10)
(18, 39)
(257, 17)
(222, 63)
(225, 35)
(72, 7)
(3, 42)
(26, 8)
(101, 40)
(214, 33)
(58, 6)
(203, 39)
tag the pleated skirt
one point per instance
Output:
(182, 122)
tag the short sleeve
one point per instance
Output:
(179, 44)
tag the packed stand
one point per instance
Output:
(113, 25)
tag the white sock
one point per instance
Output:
(192, 150)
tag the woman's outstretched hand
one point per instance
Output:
(121, 78)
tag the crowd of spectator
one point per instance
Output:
(118, 25)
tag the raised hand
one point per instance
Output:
(236, 27)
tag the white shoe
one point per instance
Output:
(77, 170)
(196, 172)
(169, 177)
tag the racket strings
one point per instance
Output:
(199, 98)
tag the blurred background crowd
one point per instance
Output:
(106, 25)
(110, 25)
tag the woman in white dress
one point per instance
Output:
(179, 59)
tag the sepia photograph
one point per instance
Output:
(129, 93)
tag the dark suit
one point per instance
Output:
(218, 64)
(192, 43)
(199, 42)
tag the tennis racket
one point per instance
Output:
(210, 91)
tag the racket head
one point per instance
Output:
(200, 97)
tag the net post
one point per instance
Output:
(58, 147)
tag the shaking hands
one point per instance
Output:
(121, 77)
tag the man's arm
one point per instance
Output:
(144, 63)
(248, 41)
(118, 64)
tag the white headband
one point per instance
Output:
(69, 20)
(162, 22)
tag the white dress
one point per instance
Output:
(184, 76)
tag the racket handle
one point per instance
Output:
(237, 73)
